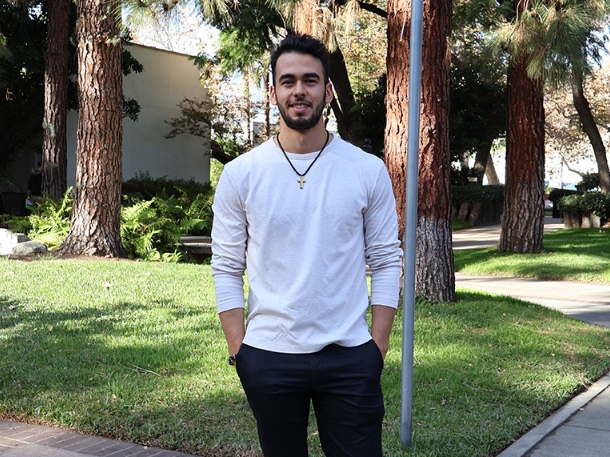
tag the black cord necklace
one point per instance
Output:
(301, 179)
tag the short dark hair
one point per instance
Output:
(302, 44)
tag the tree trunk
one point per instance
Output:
(54, 147)
(396, 131)
(490, 172)
(267, 109)
(481, 159)
(434, 277)
(523, 209)
(344, 106)
(248, 106)
(96, 216)
(590, 128)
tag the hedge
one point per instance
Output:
(592, 202)
(472, 194)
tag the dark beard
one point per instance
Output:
(302, 123)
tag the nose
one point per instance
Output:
(299, 88)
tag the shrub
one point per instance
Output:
(592, 202)
(155, 214)
(589, 181)
(51, 220)
(150, 230)
(16, 224)
(144, 187)
(471, 194)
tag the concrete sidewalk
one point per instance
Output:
(581, 428)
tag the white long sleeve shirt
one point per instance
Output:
(305, 250)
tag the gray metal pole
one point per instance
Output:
(410, 238)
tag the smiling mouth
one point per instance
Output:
(300, 106)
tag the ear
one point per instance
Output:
(272, 97)
(328, 93)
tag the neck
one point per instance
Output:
(302, 141)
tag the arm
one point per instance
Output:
(229, 235)
(382, 321)
(232, 322)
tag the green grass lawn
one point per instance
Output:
(574, 255)
(134, 350)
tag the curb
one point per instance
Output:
(531, 439)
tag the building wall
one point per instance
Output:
(168, 78)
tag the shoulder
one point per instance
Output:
(357, 157)
(252, 156)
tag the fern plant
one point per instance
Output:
(151, 230)
(51, 220)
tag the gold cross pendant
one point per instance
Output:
(301, 181)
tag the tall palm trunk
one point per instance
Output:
(434, 277)
(523, 209)
(54, 146)
(96, 217)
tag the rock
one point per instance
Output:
(8, 240)
(30, 247)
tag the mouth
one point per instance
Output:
(300, 106)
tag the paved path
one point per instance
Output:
(581, 428)
(24, 440)
(588, 302)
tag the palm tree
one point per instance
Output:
(542, 38)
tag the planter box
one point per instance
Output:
(576, 220)
(478, 213)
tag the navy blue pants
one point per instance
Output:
(342, 383)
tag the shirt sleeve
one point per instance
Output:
(382, 246)
(229, 240)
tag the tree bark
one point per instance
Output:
(54, 146)
(490, 172)
(483, 156)
(590, 128)
(523, 209)
(96, 216)
(347, 116)
(435, 276)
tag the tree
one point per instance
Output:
(23, 36)
(478, 93)
(546, 41)
(564, 129)
(523, 208)
(37, 54)
(435, 277)
(256, 23)
(95, 221)
(54, 146)
(589, 126)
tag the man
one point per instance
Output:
(304, 213)
(34, 191)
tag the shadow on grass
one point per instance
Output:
(486, 370)
(101, 371)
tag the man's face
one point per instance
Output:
(299, 90)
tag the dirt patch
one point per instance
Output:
(79, 257)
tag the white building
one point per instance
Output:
(168, 78)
